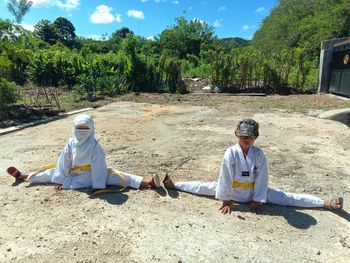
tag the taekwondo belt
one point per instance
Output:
(243, 185)
(87, 168)
(73, 170)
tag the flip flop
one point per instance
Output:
(333, 204)
(13, 171)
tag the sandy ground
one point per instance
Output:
(306, 155)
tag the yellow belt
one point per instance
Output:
(86, 168)
(78, 169)
(75, 169)
(116, 173)
(243, 185)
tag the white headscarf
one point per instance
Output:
(83, 141)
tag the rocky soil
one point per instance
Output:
(306, 155)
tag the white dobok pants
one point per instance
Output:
(131, 180)
(273, 196)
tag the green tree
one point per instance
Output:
(303, 23)
(122, 33)
(66, 31)
(46, 31)
(5, 24)
(186, 37)
(19, 8)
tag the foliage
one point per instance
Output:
(19, 8)
(186, 37)
(120, 34)
(8, 93)
(303, 24)
(173, 80)
(46, 31)
(282, 55)
(65, 31)
(104, 74)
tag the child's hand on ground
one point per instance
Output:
(58, 187)
(226, 207)
(255, 207)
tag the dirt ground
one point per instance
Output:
(305, 154)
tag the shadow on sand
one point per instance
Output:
(294, 215)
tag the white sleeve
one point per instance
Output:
(99, 168)
(262, 179)
(224, 188)
(63, 166)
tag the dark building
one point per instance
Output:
(334, 75)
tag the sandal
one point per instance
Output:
(334, 204)
(13, 171)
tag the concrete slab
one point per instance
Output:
(341, 115)
(38, 122)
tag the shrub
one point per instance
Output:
(8, 93)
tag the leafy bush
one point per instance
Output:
(8, 93)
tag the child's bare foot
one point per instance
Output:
(58, 187)
(168, 183)
(334, 203)
(155, 181)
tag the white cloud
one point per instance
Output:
(176, 2)
(136, 14)
(28, 27)
(217, 23)
(245, 27)
(43, 3)
(260, 10)
(221, 8)
(102, 15)
(69, 5)
(144, 1)
(150, 38)
(118, 18)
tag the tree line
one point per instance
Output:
(283, 54)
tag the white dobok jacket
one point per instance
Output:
(243, 179)
(81, 150)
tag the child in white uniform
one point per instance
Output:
(82, 164)
(244, 178)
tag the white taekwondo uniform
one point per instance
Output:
(245, 179)
(82, 163)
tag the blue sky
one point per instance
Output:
(148, 18)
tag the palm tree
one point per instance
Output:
(19, 8)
